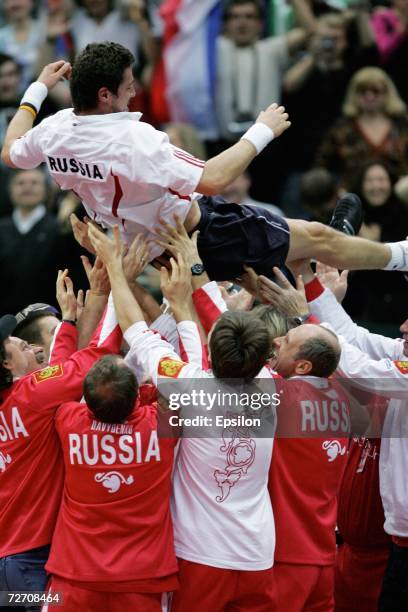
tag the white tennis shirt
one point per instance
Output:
(125, 171)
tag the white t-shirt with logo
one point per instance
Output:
(125, 171)
(221, 508)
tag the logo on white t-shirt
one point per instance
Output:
(333, 449)
(4, 460)
(240, 451)
(113, 480)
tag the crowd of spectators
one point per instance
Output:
(336, 66)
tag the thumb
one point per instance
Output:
(194, 237)
(164, 276)
(344, 276)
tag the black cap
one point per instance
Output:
(7, 326)
(34, 311)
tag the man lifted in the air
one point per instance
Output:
(127, 173)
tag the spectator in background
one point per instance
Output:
(319, 194)
(372, 297)
(29, 252)
(238, 192)
(10, 73)
(250, 69)
(21, 37)
(318, 79)
(374, 126)
(97, 21)
(10, 93)
(70, 28)
(390, 26)
(249, 77)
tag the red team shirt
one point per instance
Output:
(31, 469)
(305, 473)
(114, 524)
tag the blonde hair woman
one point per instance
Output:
(374, 125)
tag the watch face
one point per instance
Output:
(197, 269)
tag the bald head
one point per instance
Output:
(321, 347)
(307, 350)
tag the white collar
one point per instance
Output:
(315, 381)
(25, 224)
(104, 117)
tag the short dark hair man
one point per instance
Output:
(117, 165)
(31, 470)
(118, 478)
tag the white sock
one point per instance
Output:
(398, 259)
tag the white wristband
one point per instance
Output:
(259, 135)
(35, 95)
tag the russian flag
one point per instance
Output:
(184, 81)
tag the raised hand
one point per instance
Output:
(276, 118)
(109, 250)
(55, 72)
(136, 258)
(282, 295)
(66, 296)
(80, 231)
(97, 276)
(176, 240)
(333, 280)
(176, 287)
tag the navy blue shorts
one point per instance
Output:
(232, 235)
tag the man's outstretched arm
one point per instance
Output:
(221, 170)
(30, 105)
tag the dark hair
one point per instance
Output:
(4, 58)
(110, 389)
(317, 187)
(239, 345)
(357, 184)
(6, 377)
(323, 355)
(229, 4)
(98, 65)
(31, 332)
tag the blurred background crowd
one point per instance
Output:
(204, 70)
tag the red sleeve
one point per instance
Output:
(64, 344)
(201, 354)
(56, 384)
(313, 289)
(207, 310)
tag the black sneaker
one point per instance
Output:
(348, 215)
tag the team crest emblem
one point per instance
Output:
(333, 449)
(402, 366)
(170, 367)
(48, 372)
(113, 480)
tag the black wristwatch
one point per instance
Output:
(197, 269)
(300, 319)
